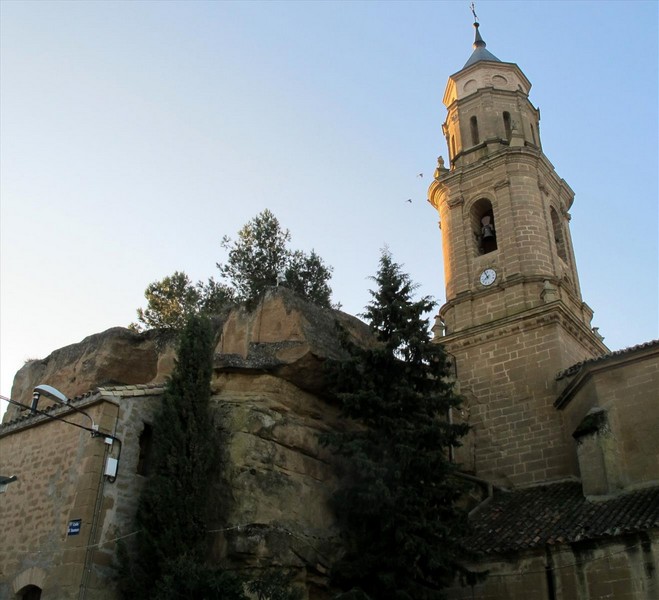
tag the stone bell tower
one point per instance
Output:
(514, 315)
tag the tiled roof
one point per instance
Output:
(574, 369)
(480, 52)
(558, 513)
(140, 389)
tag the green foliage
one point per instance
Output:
(308, 276)
(256, 259)
(174, 299)
(173, 507)
(260, 258)
(274, 584)
(188, 578)
(398, 506)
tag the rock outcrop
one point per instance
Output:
(276, 479)
(270, 405)
(283, 335)
(117, 356)
(287, 337)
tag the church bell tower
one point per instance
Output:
(514, 315)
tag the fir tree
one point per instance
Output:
(399, 504)
(172, 544)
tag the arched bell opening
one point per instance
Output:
(482, 220)
(559, 236)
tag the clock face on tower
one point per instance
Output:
(488, 277)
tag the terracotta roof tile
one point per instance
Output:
(138, 389)
(574, 369)
(558, 513)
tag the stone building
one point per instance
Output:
(563, 432)
(76, 494)
(563, 444)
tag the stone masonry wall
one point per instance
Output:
(626, 388)
(59, 474)
(615, 570)
(507, 378)
(137, 407)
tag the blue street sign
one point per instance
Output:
(74, 527)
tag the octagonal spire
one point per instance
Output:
(480, 51)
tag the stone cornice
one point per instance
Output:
(526, 154)
(510, 281)
(487, 91)
(553, 312)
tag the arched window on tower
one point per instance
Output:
(452, 149)
(482, 220)
(559, 237)
(507, 126)
(475, 139)
(533, 134)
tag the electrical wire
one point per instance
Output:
(94, 432)
(53, 417)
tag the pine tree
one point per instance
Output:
(260, 258)
(172, 300)
(172, 544)
(398, 506)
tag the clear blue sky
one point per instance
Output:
(135, 134)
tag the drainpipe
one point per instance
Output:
(91, 542)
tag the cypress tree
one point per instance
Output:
(172, 543)
(398, 505)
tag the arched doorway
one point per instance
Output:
(29, 592)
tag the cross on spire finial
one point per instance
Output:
(473, 12)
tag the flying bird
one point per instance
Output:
(409, 200)
(420, 175)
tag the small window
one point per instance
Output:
(533, 134)
(482, 218)
(559, 237)
(453, 148)
(475, 139)
(507, 126)
(146, 443)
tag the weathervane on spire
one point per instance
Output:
(473, 12)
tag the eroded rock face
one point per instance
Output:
(283, 335)
(277, 478)
(117, 356)
(287, 337)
